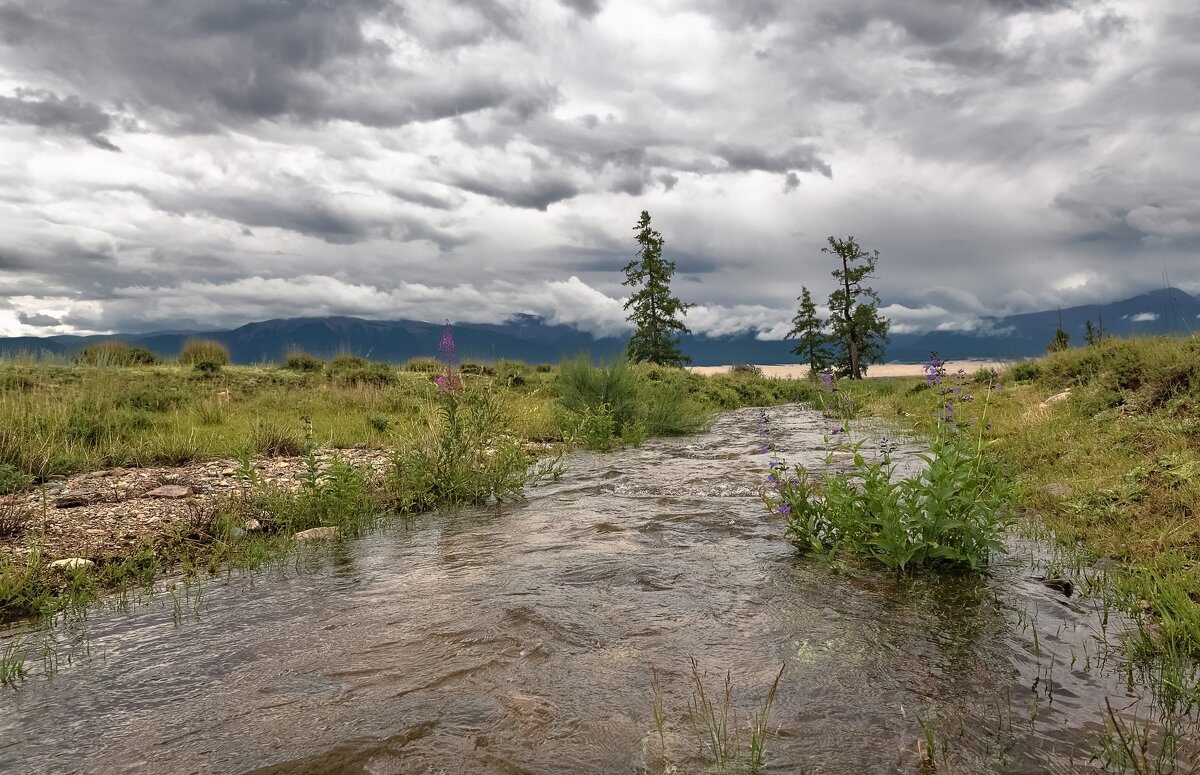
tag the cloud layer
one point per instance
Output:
(170, 164)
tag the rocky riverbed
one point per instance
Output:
(103, 514)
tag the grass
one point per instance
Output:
(727, 742)
(1113, 469)
(59, 418)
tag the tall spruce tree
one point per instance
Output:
(655, 311)
(808, 328)
(859, 332)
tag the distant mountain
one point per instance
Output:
(532, 339)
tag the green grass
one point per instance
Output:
(1114, 468)
(475, 446)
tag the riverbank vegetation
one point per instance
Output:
(455, 434)
(1101, 445)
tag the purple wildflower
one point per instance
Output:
(784, 509)
(836, 431)
(827, 382)
(772, 479)
(776, 464)
(764, 449)
(934, 370)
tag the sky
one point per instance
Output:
(173, 164)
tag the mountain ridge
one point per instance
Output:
(531, 338)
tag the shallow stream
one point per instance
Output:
(521, 638)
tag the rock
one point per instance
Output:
(227, 472)
(70, 501)
(1054, 399)
(71, 563)
(171, 491)
(1065, 586)
(316, 534)
(252, 526)
(1057, 491)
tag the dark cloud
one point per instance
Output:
(38, 321)
(585, 8)
(188, 67)
(536, 193)
(66, 115)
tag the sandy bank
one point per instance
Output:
(800, 370)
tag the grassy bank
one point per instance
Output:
(1102, 445)
(475, 443)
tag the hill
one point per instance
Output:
(532, 339)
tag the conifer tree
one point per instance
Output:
(808, 328)
(655, 312)
(859, 332)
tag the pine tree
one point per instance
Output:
(1061, 340)
(808, 327)
(655, 311)
(859, 332)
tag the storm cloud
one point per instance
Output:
(168, 163)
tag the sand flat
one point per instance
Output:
(800, 370)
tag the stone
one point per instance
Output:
(252, 526)
(70, 501)
(1054, 399)
(227, 472)
(316, 534)
(170, 491)
(71, 563)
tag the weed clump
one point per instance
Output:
(275, 440)
(303, 363)
(115, 353)
(204, 351)
(358, 371)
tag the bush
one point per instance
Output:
(746, 369)
(13, 479)
(303, 362)
(584, 387)
(354, 370)
(197, 351)
(424, 365)
(672, 413)
(466, 452)
(208, 368)
(1025, 371)
(273, 440)
(950, 515)
(543, 368)
(115, 353)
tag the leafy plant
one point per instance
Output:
(593, 394)
(465, 452)
(197, 351)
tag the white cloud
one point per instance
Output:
(1144, 317)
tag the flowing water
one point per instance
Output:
(521, 639)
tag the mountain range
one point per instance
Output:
(532, 339)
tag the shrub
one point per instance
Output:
(424, 365)
(672, 413)
(465, 452)
(197, 351)
(585, 387)
(274, 440)
(303, 362)
(13, 479)
(476, 369)
(951, 514)
(543, 368)
(14, 516)
(354, 370)
(208, 368)
(115, 353)
(1025, 371)
(746, 370)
